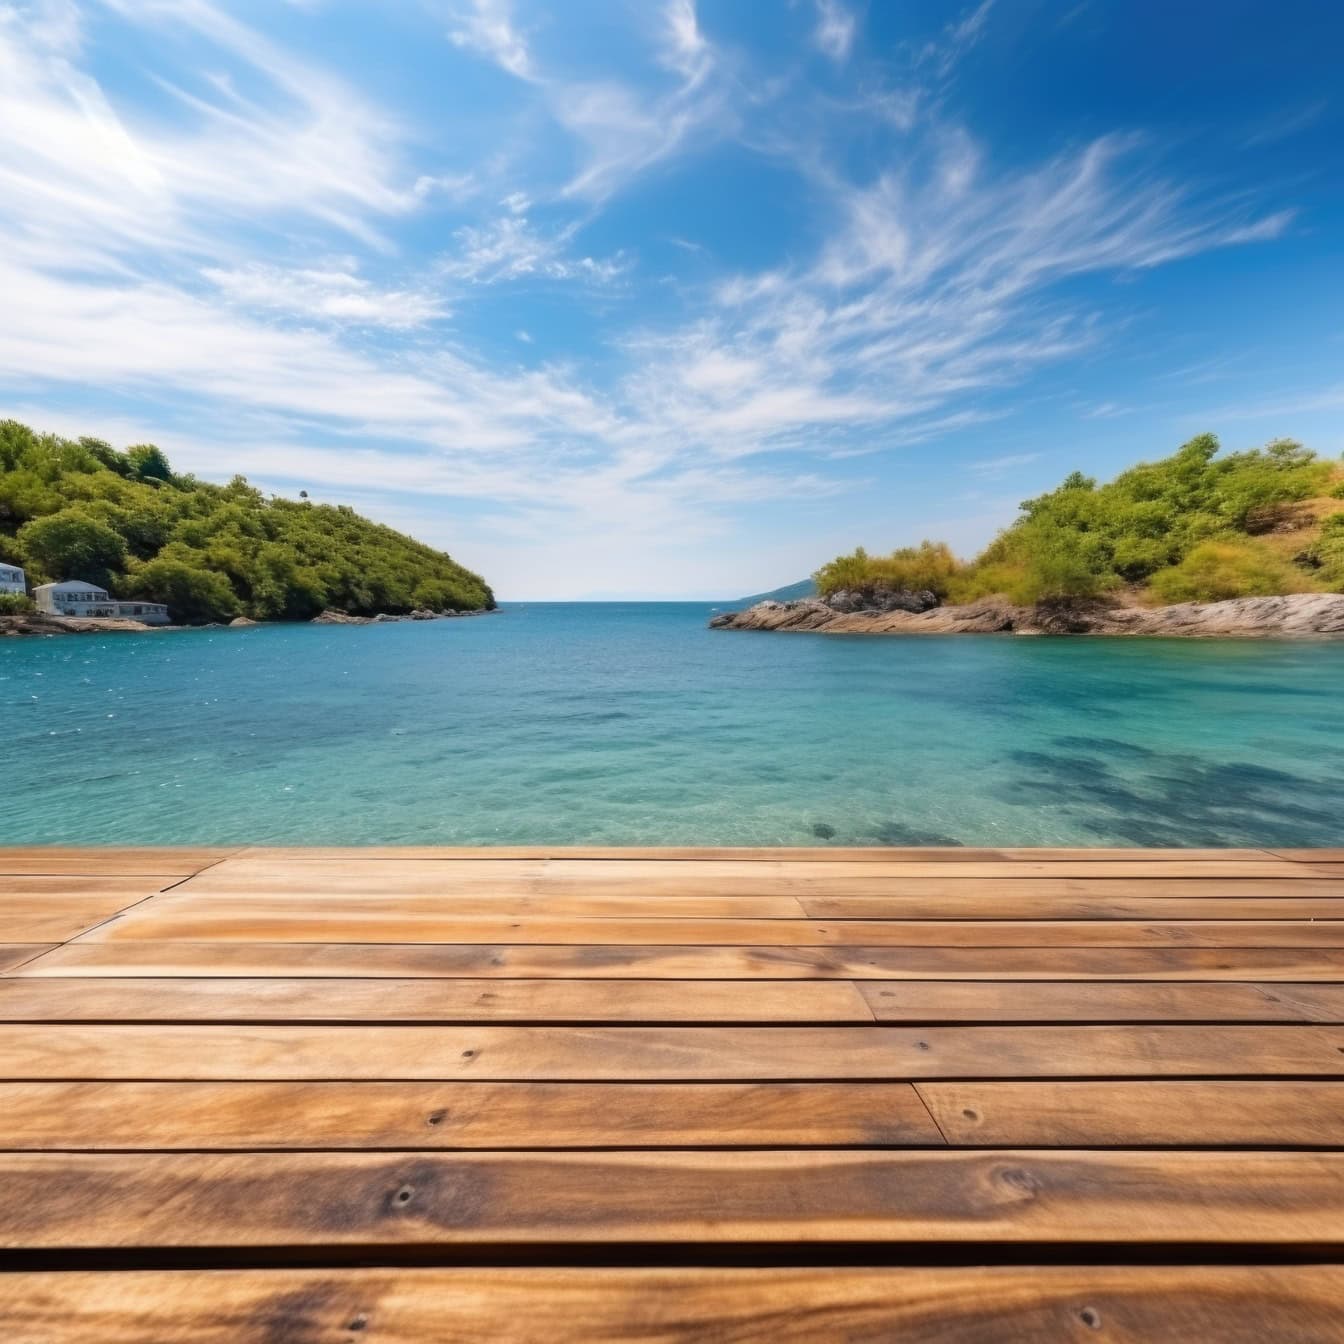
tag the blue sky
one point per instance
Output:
(671, 299)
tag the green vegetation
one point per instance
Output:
(15, 604)
(126, 521)
(1196, 526)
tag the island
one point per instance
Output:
(137, 536)
(1199, 543)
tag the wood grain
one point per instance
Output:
(666, 1053)
(480, 1115)
(166, 923)
(486, 960)
(1031, 1304)
(1105, 1114)
(34, 860)
(367, 1201)
(16, 954)
(54, 919)
(313, 1000)
(1000, 1073)
(991, 1001)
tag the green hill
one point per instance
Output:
(793, 592)
(79, 509)
(1198, 526)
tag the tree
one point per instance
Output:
(191, 595)
(71, 544)
(149, 462)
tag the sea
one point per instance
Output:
(634, 724)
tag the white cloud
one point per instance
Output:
(336, 294)
(511, 249)
(685, 49)
(834, 33)
(486, 27)
(153, 255)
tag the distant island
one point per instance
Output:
(792, 592)
(126, 522)
(1197, 543)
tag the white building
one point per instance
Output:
(12, 580)
(74, 597)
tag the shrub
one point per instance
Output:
(1225, 568)
(16, 604)
(929, 566)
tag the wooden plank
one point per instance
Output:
(312, 1000)
(35, 860)
(16, 954)
(662, 854)
(454, 904)
(592, 1053)
(636, 870)
(405, 1116)
(1310, 855)
(1030, 906)
(989, 1002)
(504, 961)
(1028, 1304)
(368, 1201)
(198, 924)
(54, 919)
(45, 884)
(319, 882)
(774, 853)
(1104, 1114)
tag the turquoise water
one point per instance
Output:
(633, 724)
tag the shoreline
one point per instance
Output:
(1293, 616)
(38, 624)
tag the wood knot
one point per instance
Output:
(1018, 1180)
(1090, 1317)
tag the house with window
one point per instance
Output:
(12, 580)
(75, 597)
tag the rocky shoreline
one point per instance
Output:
(1298, 615)
(40, 623)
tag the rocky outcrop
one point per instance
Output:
(239, 622)
(880, 600)
(333, 617)
(1296, 615)
(39, 623)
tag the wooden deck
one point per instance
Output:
(505, 1095)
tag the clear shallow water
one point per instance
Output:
(633, 724)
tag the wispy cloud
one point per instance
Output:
(834, 33)
(1287, 124)
(336, 293)
(487, 27)
(509, 248)
(257, 242)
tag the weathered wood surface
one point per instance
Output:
(377, 1200)
(699, 1062)
(656, 962)
(639, 1052)
(1039, 1304)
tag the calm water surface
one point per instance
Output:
(633, 724)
